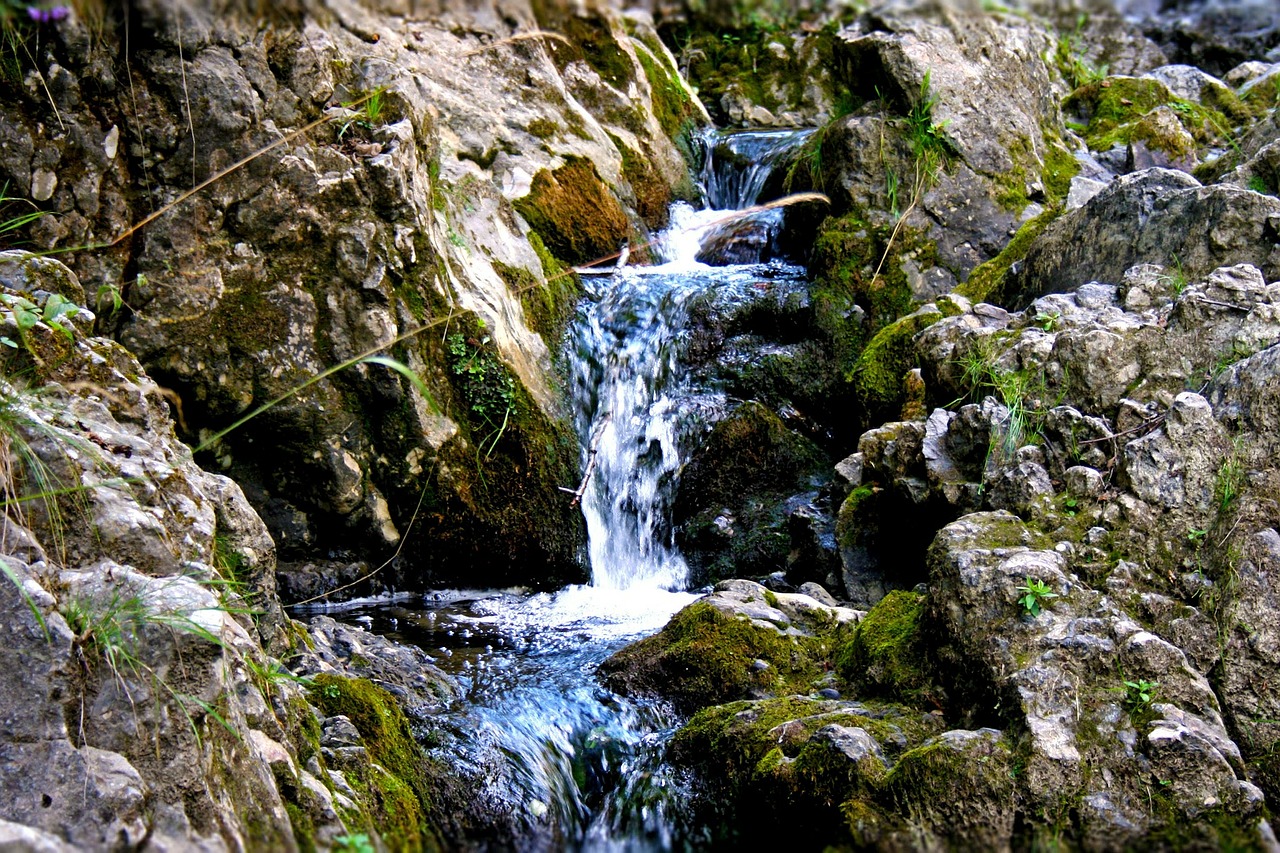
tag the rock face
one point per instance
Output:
(462, 163)
(147, 702)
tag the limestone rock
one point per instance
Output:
(1150, 217)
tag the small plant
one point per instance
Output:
(26, 314)
(1071, 61)
(1071, 506)
(1258, 185)
(1036, 593)
(1230, 481)
(370, 113)
(353, 843)
(1138, 695)
(486, 385)
(927, 138)
(272, 672)
(1196, 536)
(108, 630)
(1048, 321)
(1176, 279)
(12, 223)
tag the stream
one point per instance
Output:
(581, 765)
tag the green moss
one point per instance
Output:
(1011, 187)
(653, 196)
(878, 373)
(593, 39)
(548, 300)
(886, 654)
(851, 303)
(398, 785)
(976, 776)
(703, 657)
(1106, 105)
(1264, 96)
(734, 739)
(304, 830)
(543, 128)
(672, 106)
(1117, 111)
(574, 213)
(987, 281)
(1060, 166)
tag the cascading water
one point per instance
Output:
(583, 766)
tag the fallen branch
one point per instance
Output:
(591, 465)
(534, 34)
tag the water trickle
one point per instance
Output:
(583, 766)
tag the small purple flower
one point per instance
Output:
(46, 16)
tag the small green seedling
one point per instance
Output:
(1138, 695)
(1037, 593)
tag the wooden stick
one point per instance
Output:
(591, 464)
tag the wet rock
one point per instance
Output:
(405, 671)
(749, 469)
(709, 652)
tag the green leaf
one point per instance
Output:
(31, 605)
(403, 369)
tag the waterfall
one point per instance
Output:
(634, 407)
(581, 768)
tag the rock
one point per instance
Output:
(1082, 189)
(351, 236)
(751, 465)
(977, 563)
(1146, 218)
(709, 652)
(1190, 83)
(405, 671)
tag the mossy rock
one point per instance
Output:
(751, 452)
(887, 655)
(549, 300)
(1104, 105)
(766, 774)
(879, 375)
(574, 212)
(1110, 112)
(975, 770)
(987, 281)
(750, 464)
(704, 657)
(397, 785)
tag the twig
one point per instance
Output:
(916, 195)
(1139, 428)
(389, 560)
(1232, 530)
(1204, 300)
(591, 464)
(532, 34)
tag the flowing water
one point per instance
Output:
(582, 765)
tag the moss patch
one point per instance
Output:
(574, 213)
(703, 657)
(886, 655)
(987, 281)
(548, 300)
(878, 375)
(397, 785)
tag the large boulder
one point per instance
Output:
(1157, 217)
